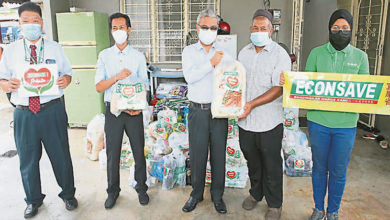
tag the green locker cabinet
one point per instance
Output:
(83, 28)
(83, 35)
(81, 56)
(82, 102)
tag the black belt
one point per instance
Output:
(206, 106)
(43, 106)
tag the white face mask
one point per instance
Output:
(119, 36)
(207, 37)
(260, 39)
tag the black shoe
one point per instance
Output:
(220, 207)
(31, 210)
(111, 200)
(143, 198)
(191, 204)
(71, 204)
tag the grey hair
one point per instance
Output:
(208, 12)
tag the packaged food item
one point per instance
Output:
(229, 91)
(291, 118)
(128, 97)
(126, 158)
(156, 168)
(297, 153)
(236, 176)
(232, 128)
(234, 156)
(94, 139)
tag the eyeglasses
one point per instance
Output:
(206, 28)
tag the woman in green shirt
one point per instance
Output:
(332, 134)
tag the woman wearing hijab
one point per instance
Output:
(332, 134)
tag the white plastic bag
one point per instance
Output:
(169, 172)
(291, 118)
(128, 97)
(94, 139)
(297, 153)
(234, 155)
(180, 170)
(229, 91)
(236, 176)
(178, 141)
(103, 159)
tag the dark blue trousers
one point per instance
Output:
(48, 126)
(331, 149)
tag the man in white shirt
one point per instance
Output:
(39, 119)
(199, 61)
(123, 63)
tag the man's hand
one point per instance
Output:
(133, 112)
(247, 110)
(64, 81)
(281, 82)
(11, 85)
(216, 59)
(123, 74)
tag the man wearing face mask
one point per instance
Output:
(39, 119)
(332, 134)
(125, 64)
(199, 61)
(261, 129)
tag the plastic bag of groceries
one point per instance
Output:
(161, 148)
(236, 176)
(180, 170)
(291, 118)
(128, 97)
(178, 141)
(168, 116)
(156, 168)
(229, 91)
(126, 158)
(169, 171)
(234, 155)
(94, 139)
(150, 181)
(147, 114)
(160, 129)
(103, 159)
(297, 153)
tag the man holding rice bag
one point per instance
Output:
(122, 70)
(260, 126)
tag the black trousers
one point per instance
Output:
(134, 128)
(48, 126)
(204, 130)
(262, 152)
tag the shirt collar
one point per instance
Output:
(199, 46)
(332, 50)
(37, 44)
(124, 51)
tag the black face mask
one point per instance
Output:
(340, 39)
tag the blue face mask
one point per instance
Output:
(260, 39)
(31, 31)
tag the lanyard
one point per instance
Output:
(27, 51)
